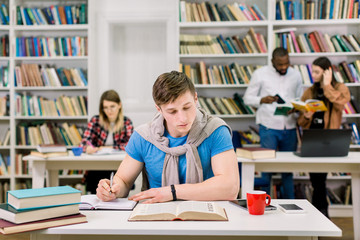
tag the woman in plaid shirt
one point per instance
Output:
(108, 129)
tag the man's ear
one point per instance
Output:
(158, 108)
(196, 97)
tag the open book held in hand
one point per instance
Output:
(312, 105)
(282, 109)
(92, 202)
(255, 152)
(186, 210)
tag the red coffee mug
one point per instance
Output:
(256, 202)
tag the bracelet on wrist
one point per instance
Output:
(173, 191)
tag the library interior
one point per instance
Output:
(266, 68)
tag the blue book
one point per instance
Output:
(259, 12)
(48, 15)
(331, 13)
(27, 18)
(308, 67)
(36, 47)
(43, 197)
(277, 11)
(68, 15)
(232, 51)
(82, 76)
(2, 17)
(37, 12)
(5, 12)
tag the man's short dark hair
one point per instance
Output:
(169, 86)
(279, 52)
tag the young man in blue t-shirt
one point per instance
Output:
(187, 154)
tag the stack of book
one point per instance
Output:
(33, 209)
(49, 150)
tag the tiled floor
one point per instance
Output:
(346, 225)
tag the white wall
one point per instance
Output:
(131, 43)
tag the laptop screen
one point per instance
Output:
(325, 142)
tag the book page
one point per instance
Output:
(195, 206)
(155, 208)
(197, 210)
(92, 201)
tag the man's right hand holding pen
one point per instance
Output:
(90, 149)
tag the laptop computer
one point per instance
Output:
(324, 143)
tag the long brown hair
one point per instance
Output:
(324, 63)
(112, 96)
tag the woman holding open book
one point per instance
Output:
(108, 129)
(335, 95)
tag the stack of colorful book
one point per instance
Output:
(33, 209)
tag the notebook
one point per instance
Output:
(324, 143)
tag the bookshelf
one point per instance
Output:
(78, 59)
(267, 28)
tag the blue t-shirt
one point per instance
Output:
(143, 151)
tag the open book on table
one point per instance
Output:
(186, 210)
(107, 151)
(313, 105)
(92, 202)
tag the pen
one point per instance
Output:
(111, 180)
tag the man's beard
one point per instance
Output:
(281, 73)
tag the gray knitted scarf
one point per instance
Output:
(203, 126)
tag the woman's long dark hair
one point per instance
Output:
(324, 63)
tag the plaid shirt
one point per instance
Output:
(97, 135)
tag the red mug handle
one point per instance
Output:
(267, 200)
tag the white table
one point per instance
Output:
(241, 225)
(85, 161)
(288, 162)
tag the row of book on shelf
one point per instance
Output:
(51, 46)
(343, 72)
(241, 74)
(319, 9)
(315, 41)
(49, 133)
(225, 105)
(219, 74)
(39, 75)
(26, 105)
(39, 208)
(252, 42)
(52, 15)
(212, 12)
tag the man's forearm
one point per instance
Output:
(215, 188)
